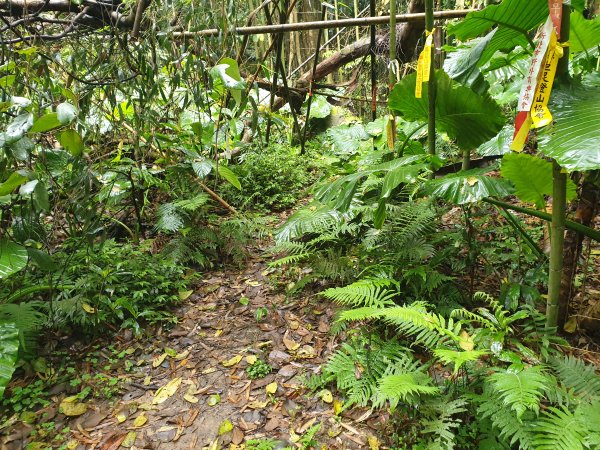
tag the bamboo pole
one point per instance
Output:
(556, 309)
(431, 86)
(393, 66)
(373, 63)
(319, 25)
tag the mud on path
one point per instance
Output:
(188, 388)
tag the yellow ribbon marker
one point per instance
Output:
(424, 64)
(540, 114)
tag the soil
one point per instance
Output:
(204, 359)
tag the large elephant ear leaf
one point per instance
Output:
(585, 34)
(13, 257)
(467, 187)
(513, 18)
(9, 347)
(532, 177)
(573, 140)
(468, 118)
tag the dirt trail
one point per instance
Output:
(201, 362)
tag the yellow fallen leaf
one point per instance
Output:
(166, 391)
(140, 421)
(182, 355)
(373, 442)
(225, 427)
(326, 396)
(214, 445)
(121, 417)
(214, 399)
(271, 388)
(571, 325)
(72, 444)
(70, 406)
(146, 406)
(472, 181)
(218, 333)
(158, 360)
(185, 294)
(209, 370)
(88, 308)
(233, 361)
(257, 404)
(290, 344)
(251, 359)
(466, 341)
(338, 405)
(190, 398)
(129, 440)
(147, 380)
(306, 352)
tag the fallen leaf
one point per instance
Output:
(170, 352)
(147, 380)
(251, 359)
(70, 406)
(237, 437)
(326, 396)
(166, 391)
(183, 295)
(129, 439)
(338, 405)
(271, 388)
(218, 333)
(214, 445)
(88, 308)
(182, 355)
(233, 361)
(209, 370)
(306, 352)
(466, 342)
(472, 181)
(158, 360)
(257, 404)
(290, 344)
(140, 421)
(214, 399)
(225, 427)
(571, 325)
(121, 417)
(373, 442)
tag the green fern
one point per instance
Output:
(405, 387)
(28, 319)
(367, 292)
(559, 429)
(522, 390)
(169, 218)
(308, 220)
(444, 423)
(574, 374)
(458, 358)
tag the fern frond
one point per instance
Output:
(444, 423)
(559, 429)
(28, 319)
(405, 387)
(504, 420)
(458, 358)
(192, 204)
(523, 390)
(169, 218)
(309, 221)
(290, 259)
(575, 374)
(367, 292)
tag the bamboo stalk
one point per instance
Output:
(373, 58)
(319, 25)
(431, 86)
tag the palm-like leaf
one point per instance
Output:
(13, 257)
(9, 347)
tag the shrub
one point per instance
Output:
(272, 178)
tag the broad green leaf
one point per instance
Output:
(585, 34)
(573, 140)
(398, 175)
(9, 347)
(22, 148)
(462, 65)
(229, 73)
(320, 107)
(532, 177)
(468, 118)
(18, 127)
(228, 174)
(13, 257)
(499, 145)
(467, 187)
(46, 123)
(346, 138)
(514, 18)
(66, 113)
(12, 182)
(202, 167)
(71, 141)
